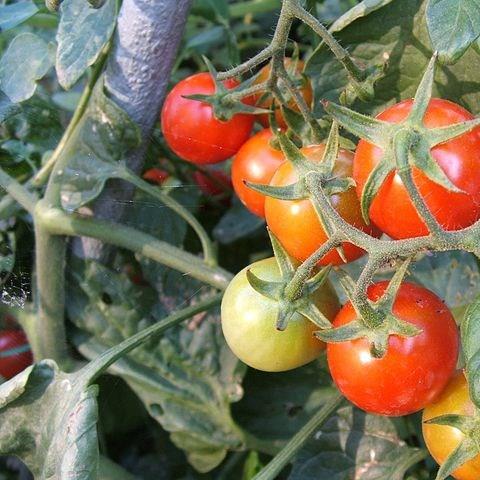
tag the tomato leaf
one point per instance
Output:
(453, 26)
(186, 380)
(26, 60)
(95, 149)
(397, 30)
(70, 443)
(82, 33)
(354, 444)
(470, 334)
(16, 13)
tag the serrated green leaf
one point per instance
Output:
(453, 26)
(354, 444)
(187, 379)
(69, 444)
(99, 142)
(26, 60)
(397, 30)
(82, 33)
(16, 13)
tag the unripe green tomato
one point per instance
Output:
(249, 323)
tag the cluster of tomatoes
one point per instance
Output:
(415, 372)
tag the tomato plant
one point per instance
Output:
(15, 353)
(392, 210)
(255, 162)
(191, 129)
(296, 223)
(248, 323)
(414, 370)
(163, 346)
(442, 440)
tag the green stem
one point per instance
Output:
(53, 189)
(25, 198)
(271, 471)
(207, 246)
(57, 222)
(50, 338)
(98, 366)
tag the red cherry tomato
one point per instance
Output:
(392, 210)
(296, 224)
(266, 101)
(414, 370)
(208, 186)
(156, 175)
(191, 129)
(15, 353)
(442, 440)
(255, 162)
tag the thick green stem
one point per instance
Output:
(49, 340)
(207, 246)
(271, 471)
(56, 221)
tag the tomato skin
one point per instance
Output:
(15, 353)
(248, 323)
(441, 440)
(155, 175)
(208, 187)
(392, 210)
(306, 91)
(191, 129)
(255, 162)
(296, 224)
(414, 370)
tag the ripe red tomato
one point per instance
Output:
(266, 101)
(392, 210)
(255, 162)
(296, 224)
(248, 323)
(15, 353)
(191, 129)
(155, 175)
(441, 440)
(414, 370)
(208, 186)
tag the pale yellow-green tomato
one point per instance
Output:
(249, 318)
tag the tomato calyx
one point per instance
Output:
(312, 178)
(468, 448)
(405, 145)
(375, 319)
(226, 102)
(291, 302)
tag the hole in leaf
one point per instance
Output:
(106, 298)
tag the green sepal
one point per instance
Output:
(285, 263)
(388, 298)
(466, 450)
(331, 149)
(339, 185)
(310, 311)
(266, 288)
(370, 129)
(315, 282)
(364, 89)
(345, 333)
(440, 135)
(301, 164)
(295, 191)
(460, 422)
(374, 182)
(423, 93)
(422, 159)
